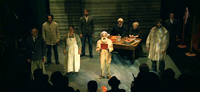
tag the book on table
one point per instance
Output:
(114, 37)
(104, 46)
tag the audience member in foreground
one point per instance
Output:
(114, 83)
(40, 83)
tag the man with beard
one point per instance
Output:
(157, 43)
(51, 35)
(104, 47)
(86, 31)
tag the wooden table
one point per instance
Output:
(120, 45)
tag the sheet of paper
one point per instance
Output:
(104, 46)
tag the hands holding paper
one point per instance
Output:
(104, 46)
(132, 36)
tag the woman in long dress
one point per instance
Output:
(72, 50)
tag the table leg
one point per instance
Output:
(133, 55)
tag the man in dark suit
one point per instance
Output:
(86, 31)
(35, 51)
(172, 26)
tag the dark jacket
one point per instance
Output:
(118, 30)
(173, 29)
(135, 32)
(86, 27)
(35, 50)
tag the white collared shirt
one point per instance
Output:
(34, 38)
(120, 26)
(86, 18)
(171, 20)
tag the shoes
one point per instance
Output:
(48, 62)
(76, 73)
(91, 56)
(82, 55)
(57, 62)
(109, 77)
(101, 77)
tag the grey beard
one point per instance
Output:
(104, 39)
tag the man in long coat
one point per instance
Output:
(157, 43)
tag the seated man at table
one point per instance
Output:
(119, 29)
(104, 47)
(135, 32)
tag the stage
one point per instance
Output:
(90, 69)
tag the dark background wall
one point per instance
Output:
(105, 14)
(18, 17)
(178, 8)
(25, 14)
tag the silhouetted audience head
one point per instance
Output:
(38, 73)
(45, 77)
(56, 78)
(168, 82)
(70, 89)
(144, 67)
(92, 86)
(187, 82)
(114, 81)
(168, 73)
(65, 81)
(153, 81)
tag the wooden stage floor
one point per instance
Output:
(90, 69)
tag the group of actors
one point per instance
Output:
(74, 45)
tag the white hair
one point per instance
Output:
(120, 19)
(136, 23)
(104, 32)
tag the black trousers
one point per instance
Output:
(49, 52)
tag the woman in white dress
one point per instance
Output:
(72, 50)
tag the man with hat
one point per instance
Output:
(157, 43)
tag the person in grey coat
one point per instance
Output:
(51, 35)
(86, 31)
